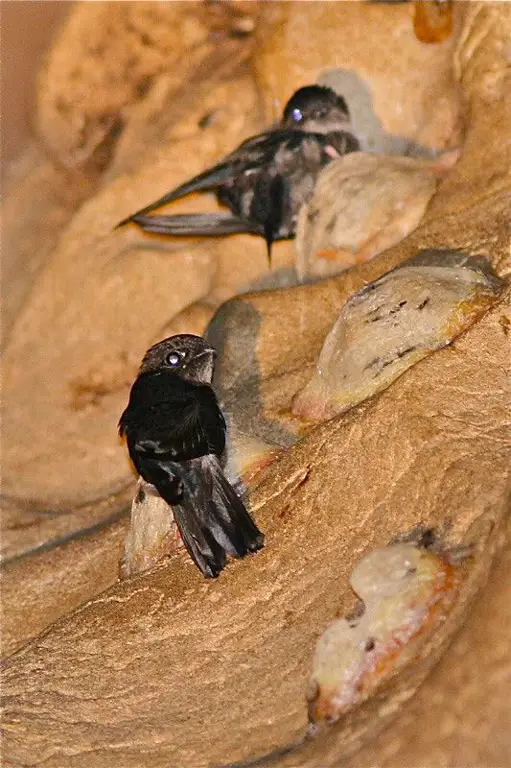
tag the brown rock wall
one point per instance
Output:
(167, 669)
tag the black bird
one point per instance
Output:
(176, 435)
(268, 177)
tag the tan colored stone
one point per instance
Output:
(392, 324)
(107, 56)
(95, 309)
(463, 707)
(362, 205)
(186, 103)
(196, 648)
(28, 30)
(406, 592)
(242, 264)
(193, 319)
(225, 665)
(152, 533)
(39, 201)
(483, 172)
(40, 589)
(29, 528)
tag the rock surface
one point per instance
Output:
(406, 593)
(460, 723)
(394, 323)
(211, 644)
(107, 57)
(362, 205)
(225, 665)
(40, 199)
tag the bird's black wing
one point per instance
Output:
(196, 224)
(209, 179)
(261, 193)
(211, 518)
(263, 182)
(278, 173)
(212, 178)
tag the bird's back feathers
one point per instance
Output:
(171, 418)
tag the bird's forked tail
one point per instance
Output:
(211, 518)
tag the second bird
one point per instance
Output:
(268, 177)
(176, 436)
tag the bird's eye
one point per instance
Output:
(173, 358)
(296, 115)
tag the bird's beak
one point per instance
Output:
(207, 351)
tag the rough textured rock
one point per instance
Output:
(83, 357)
(40, 588)
(152, 534)
(231, 640)
(27, 33)
(29, 528)
(40, 199)
(393, 323)
(225, 665)
(365, 123)
(481, 64)
(461, 722)
(106, 57)
(186, 102)
(362, 205)
(406, 593)
(194, 319)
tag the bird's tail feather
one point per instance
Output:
(209, 179)
(270, 199)
(195, 224)
(213, 521)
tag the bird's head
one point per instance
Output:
(190, 357)
(317, 109)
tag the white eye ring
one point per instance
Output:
(296, 115)
(173, 358)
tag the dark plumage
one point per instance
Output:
(268, 177)
(175, 433)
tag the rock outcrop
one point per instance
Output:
(165, 668)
